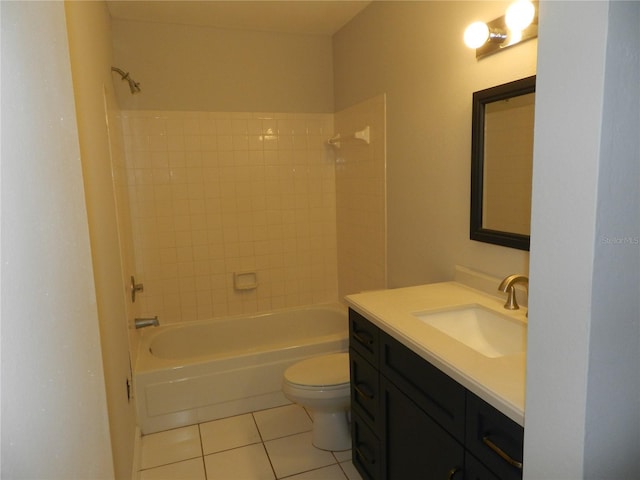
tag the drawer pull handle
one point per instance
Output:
(364, 457)
(363, 337)
(501, 453)
(360, 391)
(452, 472)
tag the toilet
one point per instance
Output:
(321, 384)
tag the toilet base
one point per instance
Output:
(331, 430)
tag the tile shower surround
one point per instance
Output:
(213, 193)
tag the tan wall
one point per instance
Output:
(90, 49)
(212, 69)
(413, 52)
(361, 199)
(54, 405)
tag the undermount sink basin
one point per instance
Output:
(484, 330)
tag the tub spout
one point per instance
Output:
(146, 322)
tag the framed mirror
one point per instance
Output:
(501, 163)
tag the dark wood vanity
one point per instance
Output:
(412, 421)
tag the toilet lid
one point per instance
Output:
(320, 371)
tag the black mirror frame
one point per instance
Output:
(480, 99)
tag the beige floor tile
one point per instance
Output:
(187, 470)
(170, 446)
(295, 454)
(342, 456)
(350, 470)
(228, 433)
(234, 450)
(245, 463)
(332, 472)
(282, 421)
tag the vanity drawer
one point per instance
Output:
(364, 337)
(495, 439)
(434, 392)
(365, 389)
(366, 450)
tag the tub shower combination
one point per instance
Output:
(201, 371)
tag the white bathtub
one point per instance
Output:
(200, 371)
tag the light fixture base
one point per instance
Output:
(507, 39)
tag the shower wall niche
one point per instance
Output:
(217, 193)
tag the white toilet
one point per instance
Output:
(321, 384)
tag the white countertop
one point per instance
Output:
(498, 381)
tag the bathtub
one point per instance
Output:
(200, 371)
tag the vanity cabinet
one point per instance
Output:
(410, 420)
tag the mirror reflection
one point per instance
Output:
(502, 157)
(508, 154)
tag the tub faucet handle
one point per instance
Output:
(146, 322)
(135, 287)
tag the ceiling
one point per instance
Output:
(324, 17)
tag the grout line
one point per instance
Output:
(204, 465)
(255, 422)
(204, 468)
(266, 452)
(287, 436)
(170, 463)
(200, 436)
(308, 414)
(264, 447)
(343, 472)
(230, 449)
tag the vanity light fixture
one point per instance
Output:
(519, 23)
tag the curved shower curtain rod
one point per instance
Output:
(133, 85)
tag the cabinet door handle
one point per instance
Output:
(360, 391)
(515, 463)
(363, 337)
(452, 472)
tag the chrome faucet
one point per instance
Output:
(508, 285)
(146, 322)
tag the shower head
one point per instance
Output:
(133, 85)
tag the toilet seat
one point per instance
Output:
(326, 372)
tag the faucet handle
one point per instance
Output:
(135, 287)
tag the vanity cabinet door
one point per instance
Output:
(365, 391)
(474, 470)
(364, 337)
(414, 445)
(432, 390)
(494, 439)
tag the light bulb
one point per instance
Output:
(476, 35)
(514, 37)
(520, 15)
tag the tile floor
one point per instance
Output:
(263, 445)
